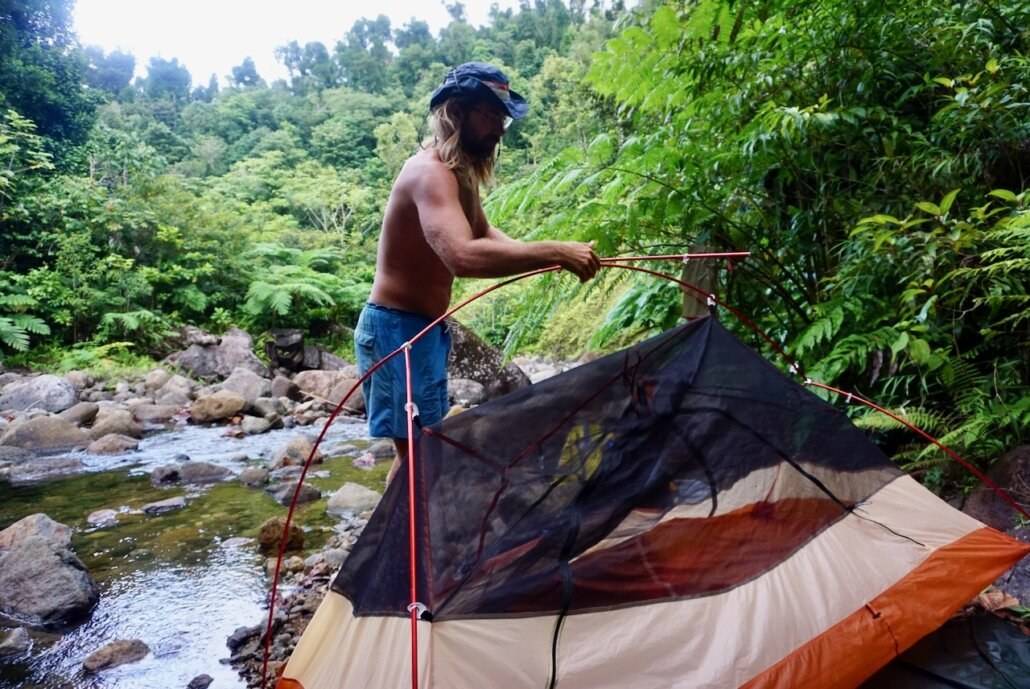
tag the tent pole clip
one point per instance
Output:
(411, 407)
(419, 607)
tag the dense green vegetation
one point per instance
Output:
(872, 155)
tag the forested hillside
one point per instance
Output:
(873, 157)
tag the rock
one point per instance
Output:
(253, 425)
(321, 383)
(1011, 472)
(474, 359)
(200, 682)
(242, 635)
(155, 413)
(115, 420)
(102, 518)
(112, 444)
(161, 506)
(247, 384)
(192, 335)
(254, 477)
(45, 469)
(155, 380)
(114, 654)
(218, 361)
(293, 564)
(80, 380)
(81, 414)
(39, 526)
(383, 450)
(295, 452)
(14, 454)
(269, 406)
(223, 404)
(334, 557)
(284, 494)
(42, 581)
(271, 532)
(465, 392)
(202, 472)
(355, 403)
(164, 475)
(352, 498)
(284, 387)
(14, 643)
(46, 392)
(176, 392)
(45, 433)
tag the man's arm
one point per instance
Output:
(494, 254)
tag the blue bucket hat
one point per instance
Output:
(482, 81)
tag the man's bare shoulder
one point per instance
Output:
(423, 172)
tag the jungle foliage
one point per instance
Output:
(872, 156)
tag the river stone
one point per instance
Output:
(45, 433)
(14, 643)
(356, 401)
(284, 494)
(80, 380)
(102, 518)
(112, 419)
(14, 454)
(247, 384)
(47, 392)
(218, 361)
(44, 584)
(383, 450)
(269, 406)
(116, 653)
(155, 413)
(294, 453)
(39, 526)
(465, 392)
(202, 472)
(81, 414)
(155, 379)
(319, 383)
(352, 498)
(253, 425)
(254, 477)
(284, 387)
(200, 682)
(271, 532)
(221, 405)
(112, 444)
(176, 392)
(476, 360)
(162, 506)
(164, 475)
(45, 469)
(294, 563)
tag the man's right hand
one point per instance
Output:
(579, 258)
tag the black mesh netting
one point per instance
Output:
(683, 466)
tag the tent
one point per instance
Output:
(678, 514)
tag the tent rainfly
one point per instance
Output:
(677, 515)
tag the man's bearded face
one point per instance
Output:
(483, 128)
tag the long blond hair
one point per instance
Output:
(445, 123)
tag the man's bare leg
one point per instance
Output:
(400, 445)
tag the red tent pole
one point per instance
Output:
(414, 607)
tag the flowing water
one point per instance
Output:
(180, 582)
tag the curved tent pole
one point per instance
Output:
(415, 607)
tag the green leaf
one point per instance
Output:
(948, 199)
(931, 208)
(1003, 194)
(919, 350)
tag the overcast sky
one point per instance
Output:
(212, 36)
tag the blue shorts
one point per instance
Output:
(381, 330)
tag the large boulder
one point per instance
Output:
(155, 413)
(81, 414)
(176, 392)
(287, 350)
(331, 386)
(112, 444)
(155, 380)
(45, 433)
(47, 392)
(247, 384)
(295, 452)
(474, 359)
(42, 469)
(114, 654)
(352, 498)
(115, 420)
(284, 387)
(1011, 472)
(42, 582)
(223, 404)
(234, 350)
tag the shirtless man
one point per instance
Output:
(434, 230)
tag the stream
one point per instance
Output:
(181, 582)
